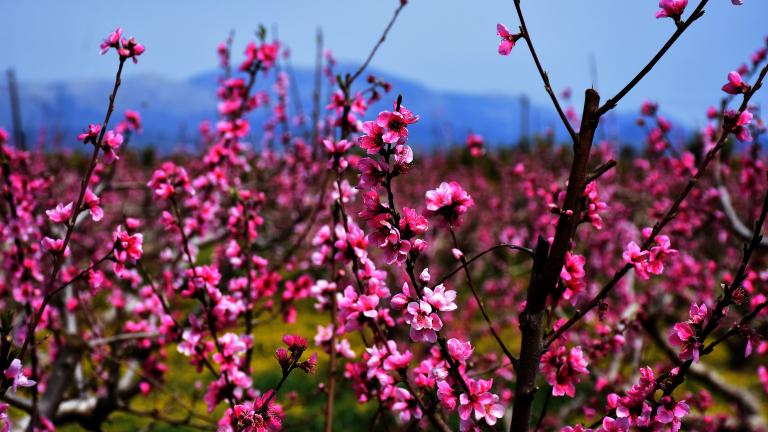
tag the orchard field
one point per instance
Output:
(322, 270)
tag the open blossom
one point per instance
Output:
(395, 124)
(15, 372)
(389, 240)
(52, 245)
(424, 323)
(649, 262)
(60, 213)
(671, 412)
(459, 350)
(112, 142)
(406, 405)
(413, 224)
(403, 158)
(336, 151)
(563, 368)
(440, 298)
(671, 9)
(372, 140)
(262, 415)
(508, 39)
(128, 248)
(448, 200)
(112, 41)
(684, 334)
(480, 400)
(372, 173)
(636, 396)
(93, 202)
(91, 135)
(660, 251)
(168, 180)
(738, 122)
(735, 84)
(374, 211)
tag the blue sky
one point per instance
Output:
(446, 44)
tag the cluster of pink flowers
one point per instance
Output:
(126, 48)
(685, 334)
(647, 262)
(410, 289)
(562, 367)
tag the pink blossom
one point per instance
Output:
(112, 41)
(562, 369)
(130, 49)
(92, 201)
(459, 350)
(572, 275)
(412, 223)
(406, 405)
(762, 375)
(671, 412)
(735, 84)
(594, 205)
(15, 372)
(260, 416)
(508, 39)
(374, 211)
(440, 298)
(480, 400)
(60, 214)
(403, 158)
(424, 323)
(112, 142)
(91, 135)
(128, 248)
(372, 173)
(336, 151)
(396, 360)
(475, 144)
(53, 245)
(698, 313)
(168, 180)
(448, 200)
(372, 140)
(649, 108)
(395, 124)
(738, 123)
(671, 9)
(659, 254)
(389, 240)
(638, 258)
(684, 335)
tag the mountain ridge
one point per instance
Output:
(172, 108)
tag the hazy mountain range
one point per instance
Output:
(173, 109)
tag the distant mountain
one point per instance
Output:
(173, 109)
